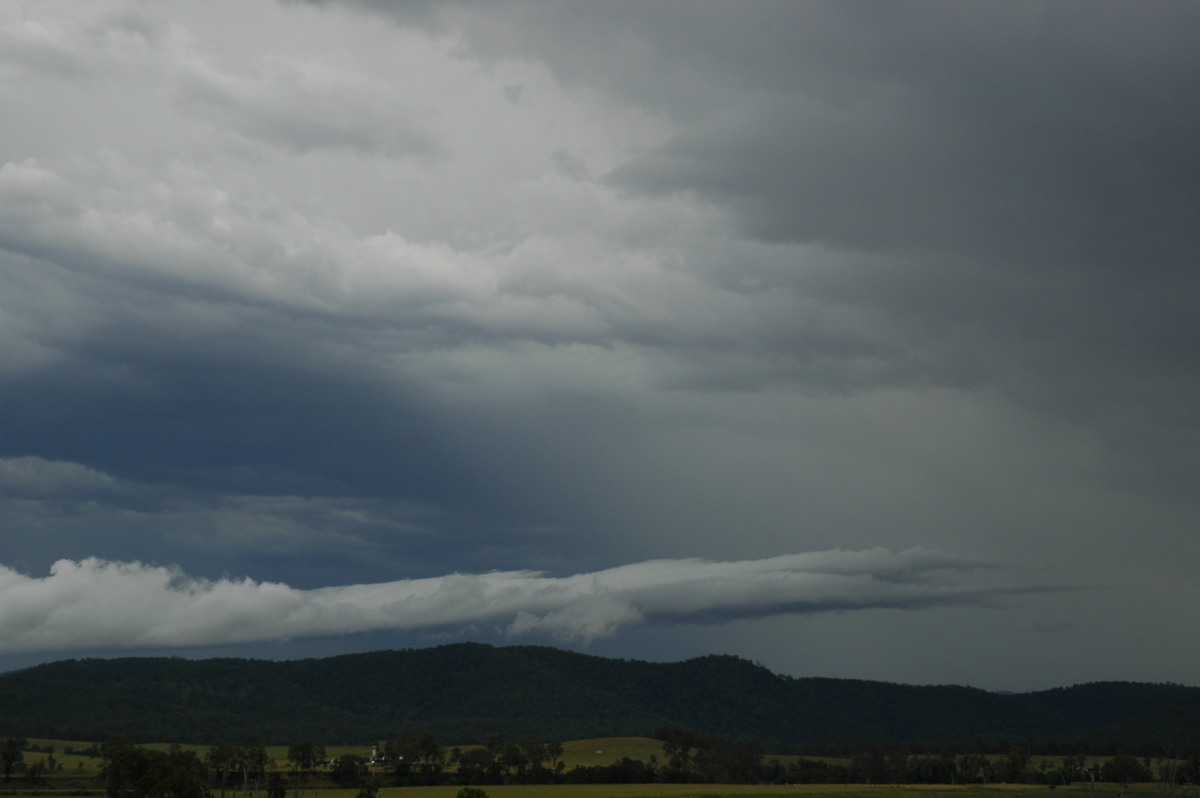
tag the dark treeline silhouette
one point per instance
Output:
(464, 692)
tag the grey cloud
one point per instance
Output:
(997, 179)
(1019, 128)
(304, 109)
(94, 603)
(60, 48)
(216, 255)
(1023, 176)
(719, 281)
(34, 476)
(213, 520)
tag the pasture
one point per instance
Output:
(758, 791)
(77, 774)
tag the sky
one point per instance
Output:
(857, 339)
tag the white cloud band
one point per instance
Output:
(98, 603)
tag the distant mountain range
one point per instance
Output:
(465, 691)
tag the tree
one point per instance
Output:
(11, 754)
(1014, 765)
(974, 768)
(1189, 769)
(133, 772)
(185, 777)
(554, 751)
(431, 757)
(930, 769)
(1123, 770)
(726, 762)
(275, 786)
(1073, 767)
(677, 747)
(533, 748)
(513, 761)
(494, 743)
(1170, 773)
(478, 766)
(536, 753)
(349, 771)
(369, 787)
(305, 756)
(253, 764)
(224, 759)
(870, 767)
(401, 756)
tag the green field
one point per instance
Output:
(78, 775)
(752, 791)
(674, 791)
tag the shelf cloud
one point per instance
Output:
(97, 603)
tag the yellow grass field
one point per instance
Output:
(753, 791)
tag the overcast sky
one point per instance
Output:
(857, 339)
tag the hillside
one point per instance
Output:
(465, 691)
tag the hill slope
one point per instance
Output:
(465, 691)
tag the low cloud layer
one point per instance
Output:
(97, 603)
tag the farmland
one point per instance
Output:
(86, 782)
(754, 791)
(75, 768)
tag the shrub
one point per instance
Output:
(472, 792)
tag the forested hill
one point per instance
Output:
(465, 691)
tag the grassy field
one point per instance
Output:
(755, 791)
(72, 787)
(600, 751)
(79, 774)
(19, 790)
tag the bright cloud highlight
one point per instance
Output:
(99, 603)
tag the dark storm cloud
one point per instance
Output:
(1027, 174)
(1003, 128)
(1016, 175)
(1011, 131)
(241, 452)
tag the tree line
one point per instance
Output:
(241, 771)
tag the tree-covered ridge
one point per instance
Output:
(464, 692)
